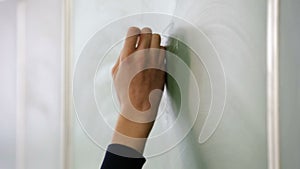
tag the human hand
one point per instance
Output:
(138, 72)
(137, 75)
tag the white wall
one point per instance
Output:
(8, 83)
(31, 84)
(43, 58)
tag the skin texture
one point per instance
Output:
(146, 50)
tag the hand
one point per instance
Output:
(137, 75)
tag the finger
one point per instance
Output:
(115, 67)
(145, 39)
(130, 42)
(155, 41)
(162, 55)
(162, 61)
(154, 48)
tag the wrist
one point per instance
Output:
(133, 129)
(131, 134)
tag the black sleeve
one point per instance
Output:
(122, 157)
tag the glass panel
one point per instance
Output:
(289, 83)
(223, 45)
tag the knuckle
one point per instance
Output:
(146, 30)
(156, 36)
(133, 29)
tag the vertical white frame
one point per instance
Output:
(67, 107)
(272, 84)
(20, 87)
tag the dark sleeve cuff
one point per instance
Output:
(122, 157)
